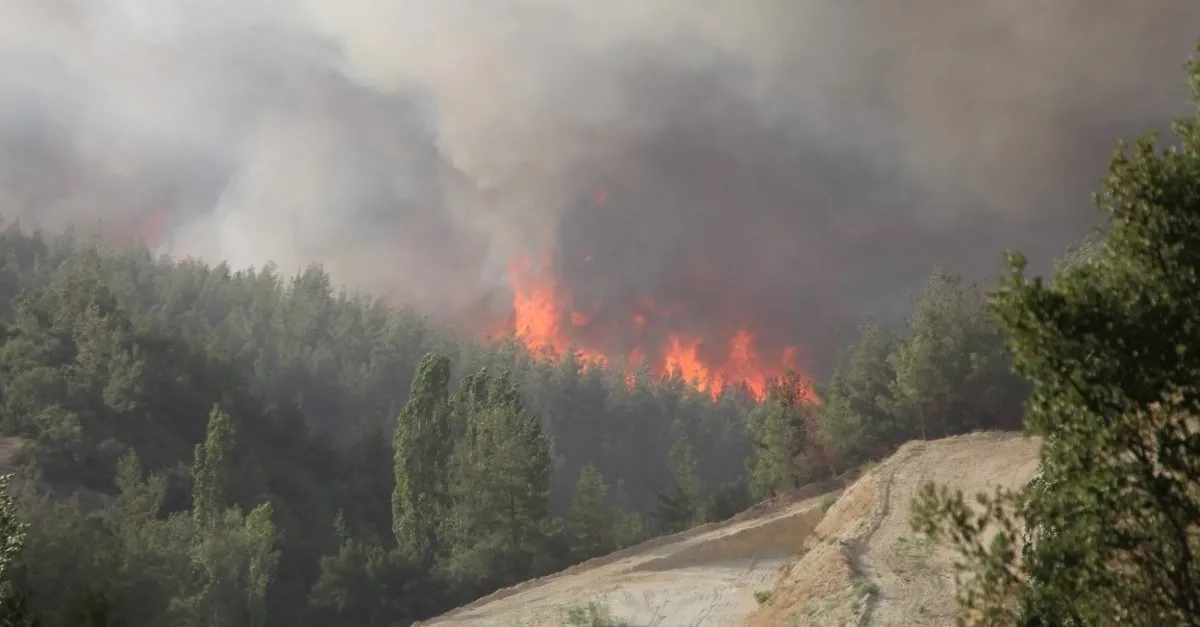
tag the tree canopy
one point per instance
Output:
(1109, 531)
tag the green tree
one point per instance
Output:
(234, 553)
(780, 432)
(471, 397)
(727, 500)
(108, 351)
(1109, 532)
(422, 446)
(857, 418)
(679, 506)
(1081, 252)
(12, 532)
(952, 372)
(235, 559)
(592, 523)
(501, 482)
(14, 606)
(362, 583)
(213, 468)
(149, 557)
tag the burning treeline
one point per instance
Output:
(546, 322)
(774, 172)
(638, 333)
(649, 337)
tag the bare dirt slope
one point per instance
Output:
(862, 565)
(706, 576)
(856, 562)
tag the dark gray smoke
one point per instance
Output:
(787, 166)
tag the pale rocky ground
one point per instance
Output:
(863, 565)
(856, 564)
(702, 577)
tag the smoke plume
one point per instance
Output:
(785, 167)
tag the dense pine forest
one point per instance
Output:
(199, 445)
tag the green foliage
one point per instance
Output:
(631, 529)
(679, 505)
(422, 446)
(258, 449)
(727, 500)
(212, 470)
(500, 518)
(781, 431)
(1081, 253)
(1109, 532)
(14, 607)
(592, 615)
(12, 531)
(947, 372)
(951, 373)
(362, 584)
(593, 522)
(858, 419)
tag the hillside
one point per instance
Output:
(821, 567)
(310, 429)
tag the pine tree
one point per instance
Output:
(857, 418)
(727, 500)
(592, 522)
(501, 492)
(780, 434)
(951, 374)
(679, 505)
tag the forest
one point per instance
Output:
(198, 445)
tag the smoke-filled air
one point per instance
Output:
(715, 187)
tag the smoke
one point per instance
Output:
(786, 166)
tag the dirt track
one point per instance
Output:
(854, 562)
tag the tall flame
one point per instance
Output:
(537, 316)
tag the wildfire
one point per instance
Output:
(550, 325)
(547, 323)
(537, 317)
(151, 228)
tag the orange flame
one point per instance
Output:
(541, 311)
(536, 315)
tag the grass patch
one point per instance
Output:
(763, 597)
(917, 546)
(593, 615)
(908, 555)
(865, 587)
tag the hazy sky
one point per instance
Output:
(786, 165)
